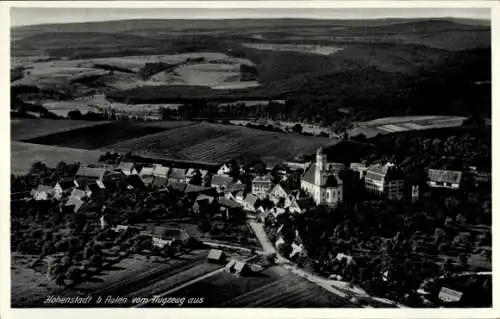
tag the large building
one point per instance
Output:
(387, 180)
(321, 181)
(261, 185)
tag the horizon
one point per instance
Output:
(26, 17)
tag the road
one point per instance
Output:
(259, 231)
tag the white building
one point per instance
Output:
(387, 180)
(444, 178)
(321, 181)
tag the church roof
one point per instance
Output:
(328, 179)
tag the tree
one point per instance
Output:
(297, 128)
(74, 115)
(197, 179)
(60, 279)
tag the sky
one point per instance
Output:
(32, 16)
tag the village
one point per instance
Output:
(240, 206)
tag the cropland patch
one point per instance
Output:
(23, 155)
(25, 129)
(218, 143)
(301, 48)
(96, 136)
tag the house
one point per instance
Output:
(146, 171)
(177, 175)
(301, 205)
(127, 168)
(173, 185)
(63, 187)
(78, 193)
(160, 171)
(322, 184)
(86, 174)
(42, 192)
(261, 185)
(235, 187)
(195, 189)
(114, 181)
(387, 180)
(230, 208)
(159, 182)
(164, 236)
(440, 178)
(191, 172)
(251, 202)
(73, 204)
(224, 170)
(239, 268)
(360, 168)
(237, 196)
(216, 256)
(220, 182)
(280, 190)
(93, 188)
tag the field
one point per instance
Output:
(302, 48)
(27, 128)
(405, 123)
(23, 155)
(210, 69)
(218, 143)
(275, 287)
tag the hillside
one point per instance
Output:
(374, 67)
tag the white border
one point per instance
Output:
(6, 312)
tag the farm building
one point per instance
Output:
(230, 208)
(220, 182)
(146, 171)
(216, 256)
(163, 236)
(280, 190)
(321, 183)
(239, 268)
(63, 187)
(387, 180)
(261, 185)
(444, 178)
(127, 168)
(42, 192)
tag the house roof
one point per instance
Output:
(202, 197)
(358, 166)
(126, 166)
(190, 188)
(92, 172)
(159, 181)
(78, 193)
(44, 188)
(235, 187)
(166, 232)
(161, 171)
(284, 186)
(147, 179)
(179, 173)
(262, 179)
(191, 171)
(146, 170)
(93, 187)
(388, 171)
(73, 201)
(327, 179)
(215, 254)
(444, 176)
(221, 180)
(66, 184)
(251, 199)
(239, 194)
(229, 203)
(177, 186)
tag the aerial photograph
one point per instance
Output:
(250, 158)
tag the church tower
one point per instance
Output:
(320, 161)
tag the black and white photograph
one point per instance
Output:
(250, 157)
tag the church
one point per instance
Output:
(321, 181)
